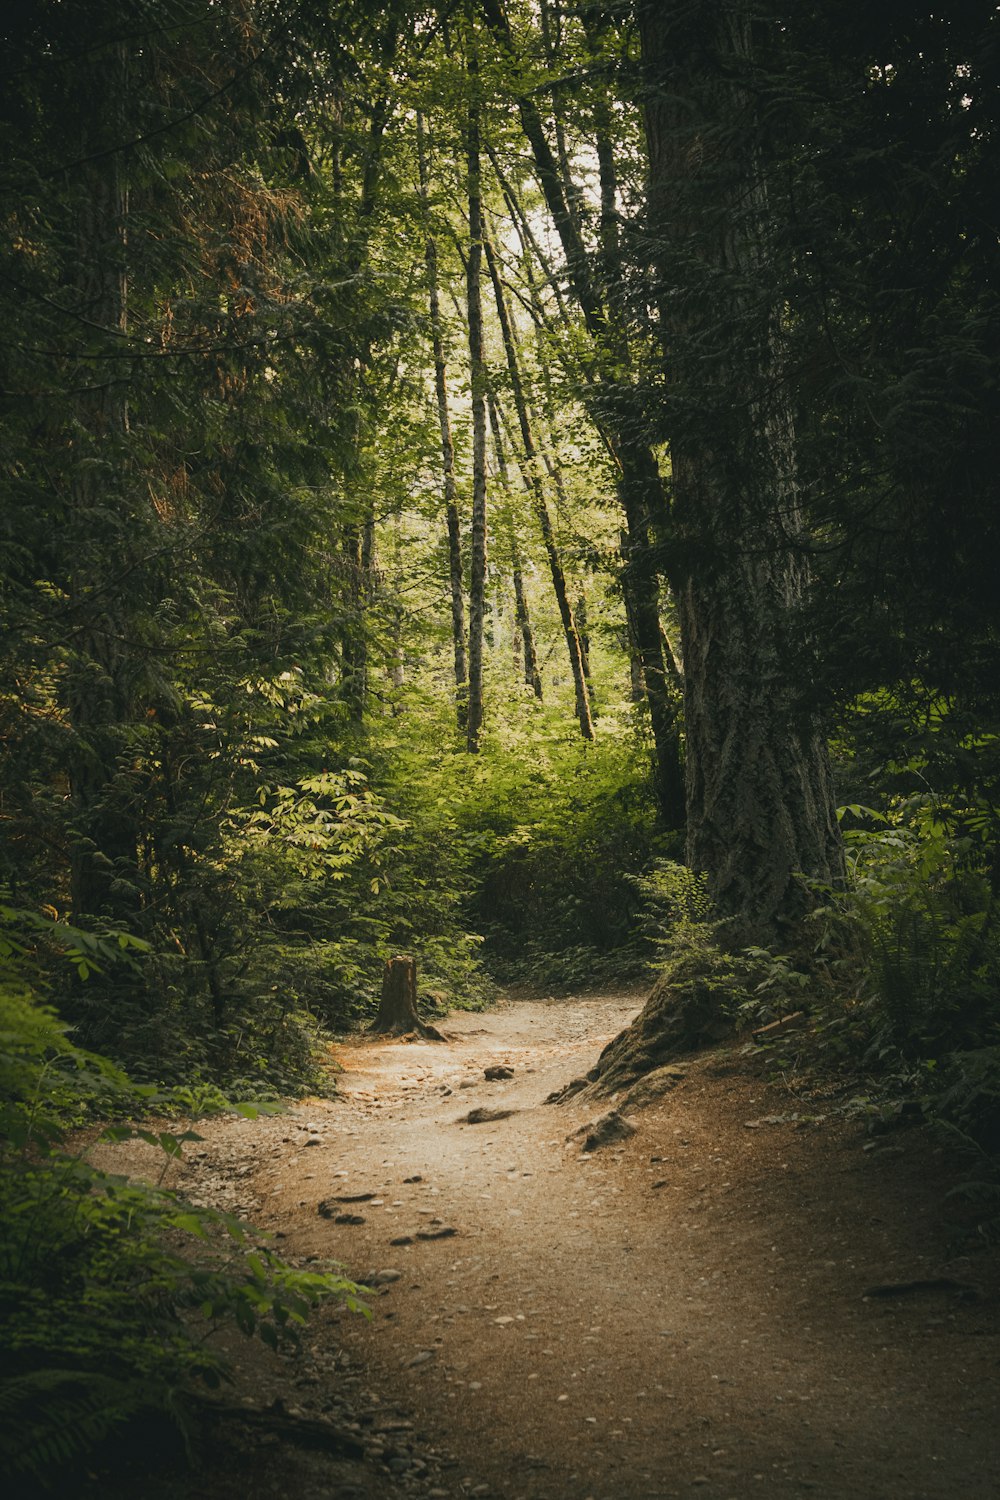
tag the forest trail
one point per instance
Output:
(682, 1312)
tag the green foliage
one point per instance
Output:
(109, 1290)
(966, 1098)
(675, 899)
(903, 982)
(924, 919)
(696, 964)
(557, 830)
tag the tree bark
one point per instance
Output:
(532, 675)
(638, 487)
(397, 1012)
(447, 450)
(477, 366)
(760, 803)
(580, 615)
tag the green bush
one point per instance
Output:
(558, 829)
(923, 923)
(109, 1290)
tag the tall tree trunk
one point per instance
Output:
(447, 449)
(534, 479)
(477, 366)
(358, 532)
(760, 804)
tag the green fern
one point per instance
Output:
(50, 1418)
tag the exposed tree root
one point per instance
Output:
(678, 1018)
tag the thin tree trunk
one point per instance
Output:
(397, 616)
(447, 450)
(534, 479)
(358, 532)
(574, 247)
(353, 642)
(612, 404)
(477, 365)
(531, 673)
(551, 29)
(581, 627)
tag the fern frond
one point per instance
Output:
(48, 1418)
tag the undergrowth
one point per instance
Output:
(110, 1290)
(897, 975)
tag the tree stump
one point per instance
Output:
(397, 1014)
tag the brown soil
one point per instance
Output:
(682, 1312)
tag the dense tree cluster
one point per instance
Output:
(382, 377)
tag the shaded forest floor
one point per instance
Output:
(682, 1312)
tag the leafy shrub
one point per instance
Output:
(557, 829)
(675, 898)
(966, 1098)
(104, 1308)
(923, 924)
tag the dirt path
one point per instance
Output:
(680, 1313)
